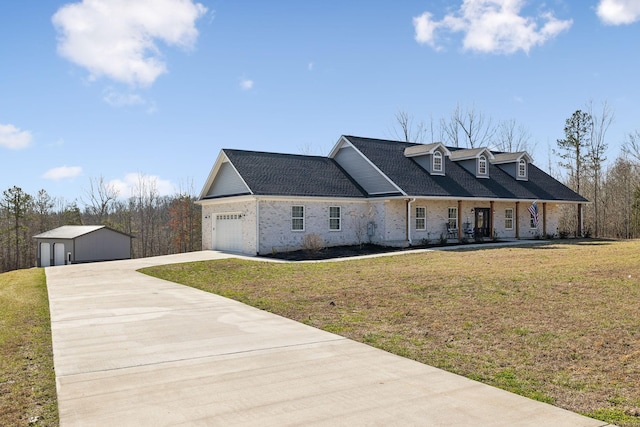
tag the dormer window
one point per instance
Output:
(515, 164)
(482, 165)
(522, 168)
(437, 161)
(430, 157)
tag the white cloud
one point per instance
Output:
(310, 66)
(134, 183)
(117, 38)
(13, 138)
(246, 84)
(491, 26)
(118, 99)
(619, 12)
(62, 172)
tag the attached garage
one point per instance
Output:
(227, 232)
(72, 244)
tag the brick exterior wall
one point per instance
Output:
(376, 221)
(248, 210)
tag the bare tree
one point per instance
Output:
(513, 137)
(100, 197)
(631, 146)
(596, 152)
(407, 130)
(473, 127)
(451, 131)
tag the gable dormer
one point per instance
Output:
(429, 156)
(474, 160)
(515, 164)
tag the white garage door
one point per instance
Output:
(45, 255)
(58, 254)
(227, 232)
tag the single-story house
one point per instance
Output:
(71, 244)
(379, 191)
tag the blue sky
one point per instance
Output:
(155, 88)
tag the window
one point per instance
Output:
(508, 219)
(522, 169)
(334, 218)
(437, 161)
(452, 223)
(482, 165)
(297, 218)
(421, 218)
(533, 220)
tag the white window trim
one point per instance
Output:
(424, 218)
(435, 169)
(339, 218)
(297, 217)
(533, 227)
(483, 160)
(508, 218)
(449, 218)
(522, 171)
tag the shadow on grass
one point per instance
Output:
(337, 252)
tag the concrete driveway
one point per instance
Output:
(132, 350)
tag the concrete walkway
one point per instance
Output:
(132, 350)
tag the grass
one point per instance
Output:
(27, 378)
(557, 322)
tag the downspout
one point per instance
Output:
(409, 201)
(257, 226)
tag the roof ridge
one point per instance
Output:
(274, 153)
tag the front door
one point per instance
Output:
(483, 222)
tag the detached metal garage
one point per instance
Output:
(71, 244)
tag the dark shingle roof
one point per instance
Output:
(389, 157)
(277, 174)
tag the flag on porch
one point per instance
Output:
(533, 210)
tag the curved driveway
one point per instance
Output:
(132, 350)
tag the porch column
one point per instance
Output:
(517, 219)
(544, 220)
(491, 228)
(579, 220)
(460, 219)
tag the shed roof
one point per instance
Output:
(72, 231)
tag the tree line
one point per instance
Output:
(579, 161)
(160, 225)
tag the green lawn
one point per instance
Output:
(27, 378)
(558, 323)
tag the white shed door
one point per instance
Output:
(58, 254)
(227, 232)
(45, 255)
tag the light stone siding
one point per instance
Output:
(395, 223)
(381, 222)
(552, 218)
(499, 218)
(276, 234)
(248, 210)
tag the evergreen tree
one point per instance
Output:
(574, 146)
